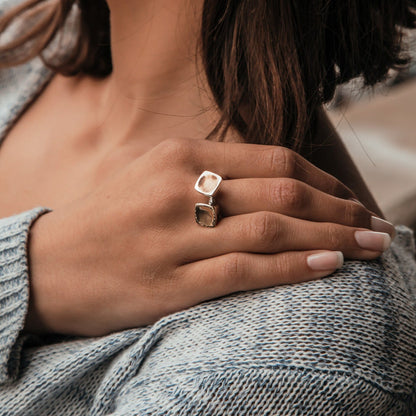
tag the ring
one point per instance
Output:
(207, 215)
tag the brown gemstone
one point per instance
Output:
(206, 215)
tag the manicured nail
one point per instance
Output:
(371, 240)
(330, 260)
(382, 226)
(356, 201)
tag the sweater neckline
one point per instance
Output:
(20, 86)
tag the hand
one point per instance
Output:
(131, 252)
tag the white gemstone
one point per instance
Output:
(208, 183)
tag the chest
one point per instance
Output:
(47, 159)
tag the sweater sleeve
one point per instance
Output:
(343, 345)
(292, 392)
(266, 391)
(14, 286)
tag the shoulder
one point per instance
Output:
(6, 5)
(18, 85)
(346, 342)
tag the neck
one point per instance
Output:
(153, 45)
(157, 84)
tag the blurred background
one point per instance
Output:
(379, 129)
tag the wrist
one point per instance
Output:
(42, 269)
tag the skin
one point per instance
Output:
(117, 166)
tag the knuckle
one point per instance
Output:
(176, 151)
(335, 239)
(283, 161)
(264, 228)
(283, 268)
(235, 270)
(355, 214)
(289, 194)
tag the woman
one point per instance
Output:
(121, 248)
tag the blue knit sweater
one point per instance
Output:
(343, 345)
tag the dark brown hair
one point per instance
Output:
(270, 63)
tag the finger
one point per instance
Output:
(234, 272)
(267, 232)
(242, 160)
(289, 197)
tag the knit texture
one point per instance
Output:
(14, 289)
(343, 345)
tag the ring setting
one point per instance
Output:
(207, 215)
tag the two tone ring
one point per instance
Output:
(207, 215)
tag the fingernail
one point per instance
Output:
(356, 201)
(382, 226)
(371, 240)
(330, 260)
